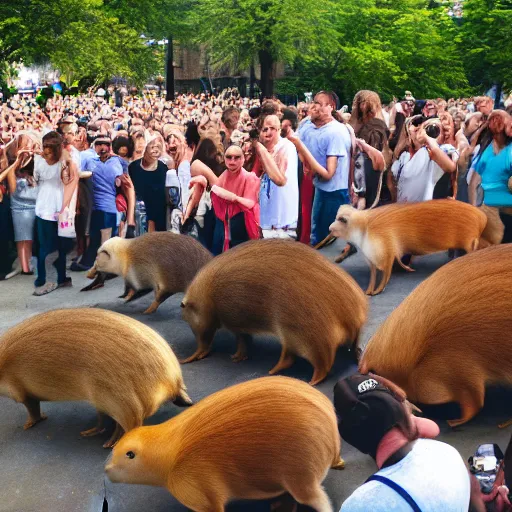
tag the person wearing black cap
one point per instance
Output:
(415, 472)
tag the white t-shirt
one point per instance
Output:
(51, 189)
(279, 206)
(417, 176)
(434, 475)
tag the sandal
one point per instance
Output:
(45, 289)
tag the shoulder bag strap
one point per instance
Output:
(397, 488)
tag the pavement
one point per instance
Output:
(50, 468)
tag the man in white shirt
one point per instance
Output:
(279, 204)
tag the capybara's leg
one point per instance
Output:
(98, 429)
(312, 496)
(241, 354)
(160, 296)
(373, 278)
(33, 406)
(285, 361)
(183, 400)
(118, 433)
(318, 376)
(386, 275)
(204, 346)
(403, 265)
(472, 245)
(130, 294)
(339, 464)
(471, 401)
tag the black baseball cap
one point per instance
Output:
(367, 410)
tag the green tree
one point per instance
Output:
(487, 40)
(239, 32)
(389, 46)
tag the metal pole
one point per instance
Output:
(169, 96)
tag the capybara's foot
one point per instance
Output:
(340, 464)
(128, 295)
(506, 424)
(283, 364)
(183, 400)
(237, 358)
(318, 376)
(95, 431)
(118, 433)
(34, 421)
(197, 356)
(152, 308)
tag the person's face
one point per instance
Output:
(320, 108)
(102, 149)
(122, 152)
(173, 144)
(154, 149)
(484, 107)
(413, 130)
(234, 159)
(508, 128)
(48, 154)
(286, 125)
(473, 124)
(270, 131)
(430, 109)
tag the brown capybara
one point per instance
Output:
(280, 288)
(452, 335)
(160, 261)
(389, 232)
(254, 440)
(117, 364)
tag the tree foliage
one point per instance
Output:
(385, 45)
(487, 39)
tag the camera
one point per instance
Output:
(433, 131)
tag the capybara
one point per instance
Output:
(452, 335)
(164, 262)
(389, 232)
(117, 364)
(280, 288)
(254, 440)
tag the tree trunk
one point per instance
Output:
(169, 82)
(252, 81)
(267, 73)
(499, 88)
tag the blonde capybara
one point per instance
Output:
(280, 288)
(452, 335)
(162, 261)
(387, 233)
(119, 365)
(255, 440)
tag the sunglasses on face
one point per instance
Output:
(233, 157)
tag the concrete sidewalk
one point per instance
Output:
(50, 468)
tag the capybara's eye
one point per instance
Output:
(130, 455)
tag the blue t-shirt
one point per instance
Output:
(103, 178)
(331, 139)
(495, 171)
(433, 474)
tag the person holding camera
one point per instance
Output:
(420, 160)
(415, 472)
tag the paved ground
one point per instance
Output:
(50, 468)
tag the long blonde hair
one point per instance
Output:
(366, 106)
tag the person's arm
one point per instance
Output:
(436, 153)
(475, 180)
(198, 168)
(326, 173)
(377, 158)
(269, 164)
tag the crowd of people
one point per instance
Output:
(227, 169)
